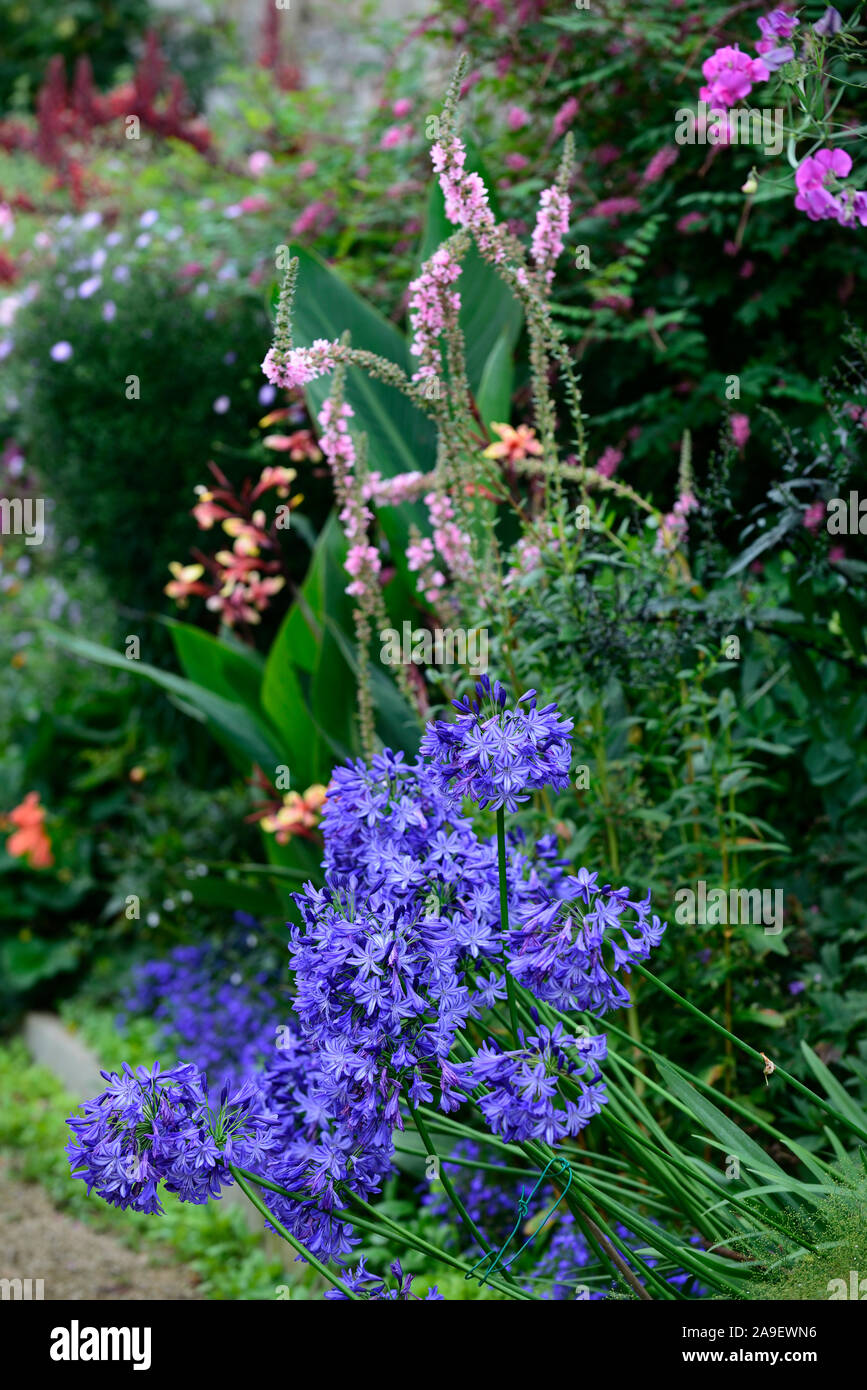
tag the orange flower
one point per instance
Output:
(30, 838)
(514, 444)
(298, 814)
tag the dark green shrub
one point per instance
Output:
(121, 429)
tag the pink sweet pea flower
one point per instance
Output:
(811, 179)
(730, 76)
(777, 25)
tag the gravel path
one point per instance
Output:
(75, 1262)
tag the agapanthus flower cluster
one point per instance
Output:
(522, 1091)
(403, 946)
(499, 756)
(395, 954)
(317, 1146)
(569, 951)
(149, 1126)
(374, 1288)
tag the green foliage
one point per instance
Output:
(105, 31)
(120, 433)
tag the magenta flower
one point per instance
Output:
(608, 461)
(740, 429)
(564, 117)
(814, 516)
(615, 207)
(730, 76)
(814, 197)
(552, 224)
(662, 160)
(394, 136)
(517, 118)
(777, 25)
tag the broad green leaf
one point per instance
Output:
(494, 396)
(248, 733)
(231, 671)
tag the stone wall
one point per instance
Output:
(326, 37)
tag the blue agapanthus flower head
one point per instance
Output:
(498, 755)
(569, 950)
(149, 1126)
(522, 1097)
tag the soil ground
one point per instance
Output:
(74, 1261)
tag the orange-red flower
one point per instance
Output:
(30, 839)
(298, 814)
(513, 444)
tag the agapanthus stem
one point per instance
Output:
(818, 1100)
(296, 1244)
(504, 915)
(383, 1225)
(449, 1186)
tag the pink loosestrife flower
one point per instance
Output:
(615, 207)
(552, 224)
(394, 136)
(517, 118)
(300, 365)
(451, 543)
(392, 492)
(609, 461)
(362, 561)
(814, 516)
(730, 76)
(564, 117)
(466, 197)
(432, 308)
(674, 528)
(316, 215)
